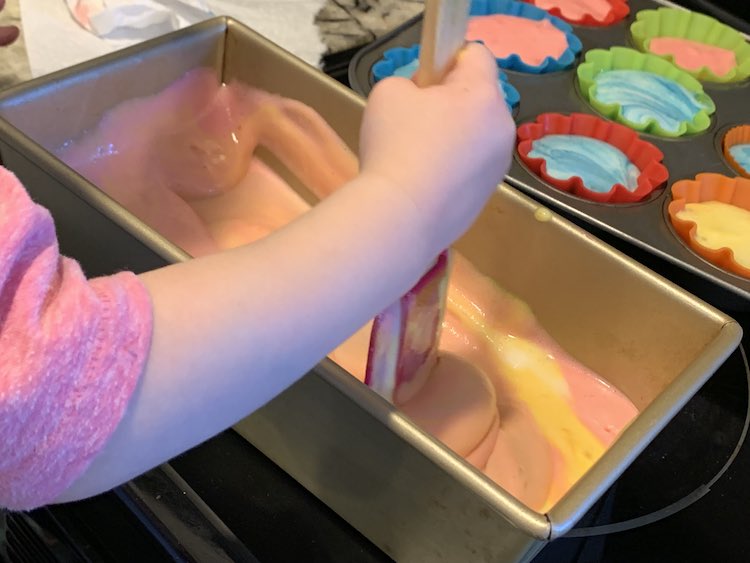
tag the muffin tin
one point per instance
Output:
(644, 224)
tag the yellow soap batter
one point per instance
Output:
(720, 225)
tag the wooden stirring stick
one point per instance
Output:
(443, 36)
(405, 337)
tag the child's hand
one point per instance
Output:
(8, 33)
(445, 147)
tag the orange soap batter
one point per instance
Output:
(694, 55)
(502, 394)
(506, 35)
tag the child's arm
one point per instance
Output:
(234, 329)
(71, 352)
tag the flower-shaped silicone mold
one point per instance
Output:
(736, 149)
(404, 61)
(644, 92)
(713, 188)
(539, 24)
(397, 61)
(698, 44)
(644, 156)
(599, 13)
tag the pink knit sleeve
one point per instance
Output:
(71, 353)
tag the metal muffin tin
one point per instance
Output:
(644, 224)
(402, 489)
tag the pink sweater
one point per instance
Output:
(71, 353)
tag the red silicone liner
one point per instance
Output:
(642, 154)
(709, 187)
(619, 11)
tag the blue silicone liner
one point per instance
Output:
(402, 56)
(393, 59)
(529, 11)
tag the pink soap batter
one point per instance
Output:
(538, 467)
(578, 9)
(533, 41)
(693, 55)
(183, 161)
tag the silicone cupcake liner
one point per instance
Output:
(709, 187)
(739, 135)
(670, 22)
(401, 56)
(621, 58)
(524, 10)
(618, 12)
(394, 59)
(642, 154)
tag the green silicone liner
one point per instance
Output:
(621, 58)
(671, 22)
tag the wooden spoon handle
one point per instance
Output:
(443, 36)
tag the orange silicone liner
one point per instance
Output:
(619, 10)
(642, 154)
(709, 187)
(739, 135)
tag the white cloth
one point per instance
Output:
(54, 39)
(136, 19)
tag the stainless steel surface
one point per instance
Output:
(644, 224)
(402, 489)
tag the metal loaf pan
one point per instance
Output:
(402, 489)
(644, 224)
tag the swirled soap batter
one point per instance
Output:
(741, 155)
(645, 96)
(600, 165)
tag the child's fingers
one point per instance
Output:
(474, 64)
(393, 86)
(8, 34)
